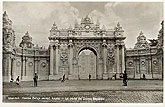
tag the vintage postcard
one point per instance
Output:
(82, 52)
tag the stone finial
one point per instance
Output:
(162, 23)
(5, 15)
(141, 33)
(86, 20)
(118, 27)
(54, 30)
(54, 26)
(118, 24)
(6, 20)
(27, 33)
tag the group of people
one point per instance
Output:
(17, 80)
(35, 78)
(124, 76)
(63, 78)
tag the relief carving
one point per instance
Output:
(110, 54)
(64, 54)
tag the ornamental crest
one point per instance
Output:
(110, 54)
(64, 54)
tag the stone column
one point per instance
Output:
(105, 75)
(104, 60)
(51, 59)
(23, 67)
(57, 56)
(7, 67)
(117, 60)
(70, 57)
(14, 68)
(36, 65)
(123, 59)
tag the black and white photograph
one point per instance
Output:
(82, 52)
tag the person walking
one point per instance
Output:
(89, 77)
(125, 79)
(12, 80)
(35, 79)
(114, 77)
(144, 77)
(63, 78)
(17, 80)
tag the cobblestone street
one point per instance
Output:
(137, 91)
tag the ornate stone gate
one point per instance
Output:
(66, 44)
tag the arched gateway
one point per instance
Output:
(66, 44)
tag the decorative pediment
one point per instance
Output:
(26, 41)
(54, 30)
(141, 41)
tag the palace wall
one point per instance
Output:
(62, 55)
(146, 58)
(25, 62)
(143, 61)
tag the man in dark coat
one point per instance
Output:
(89, 77)
(35, 79)
(63, 78)
(144, 77)
(125, 79)
(17, 80)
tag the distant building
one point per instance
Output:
(146, 58)
(65, 54)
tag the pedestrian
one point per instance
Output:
(144, 77)
(63, 78)
(35, 79)
(89, 77)
(125, 79)
(17, 80)
(12, 80)
(115, 76)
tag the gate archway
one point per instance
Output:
(87, 63)
(106, 44)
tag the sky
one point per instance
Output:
(38, 17)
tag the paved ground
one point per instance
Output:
(97, 91)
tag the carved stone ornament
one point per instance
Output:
(143, 63)
(130, 63)
(18, 63)
(155, 62)
(43, 64)
(64, 54)
(110, 55)
(30, 64)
